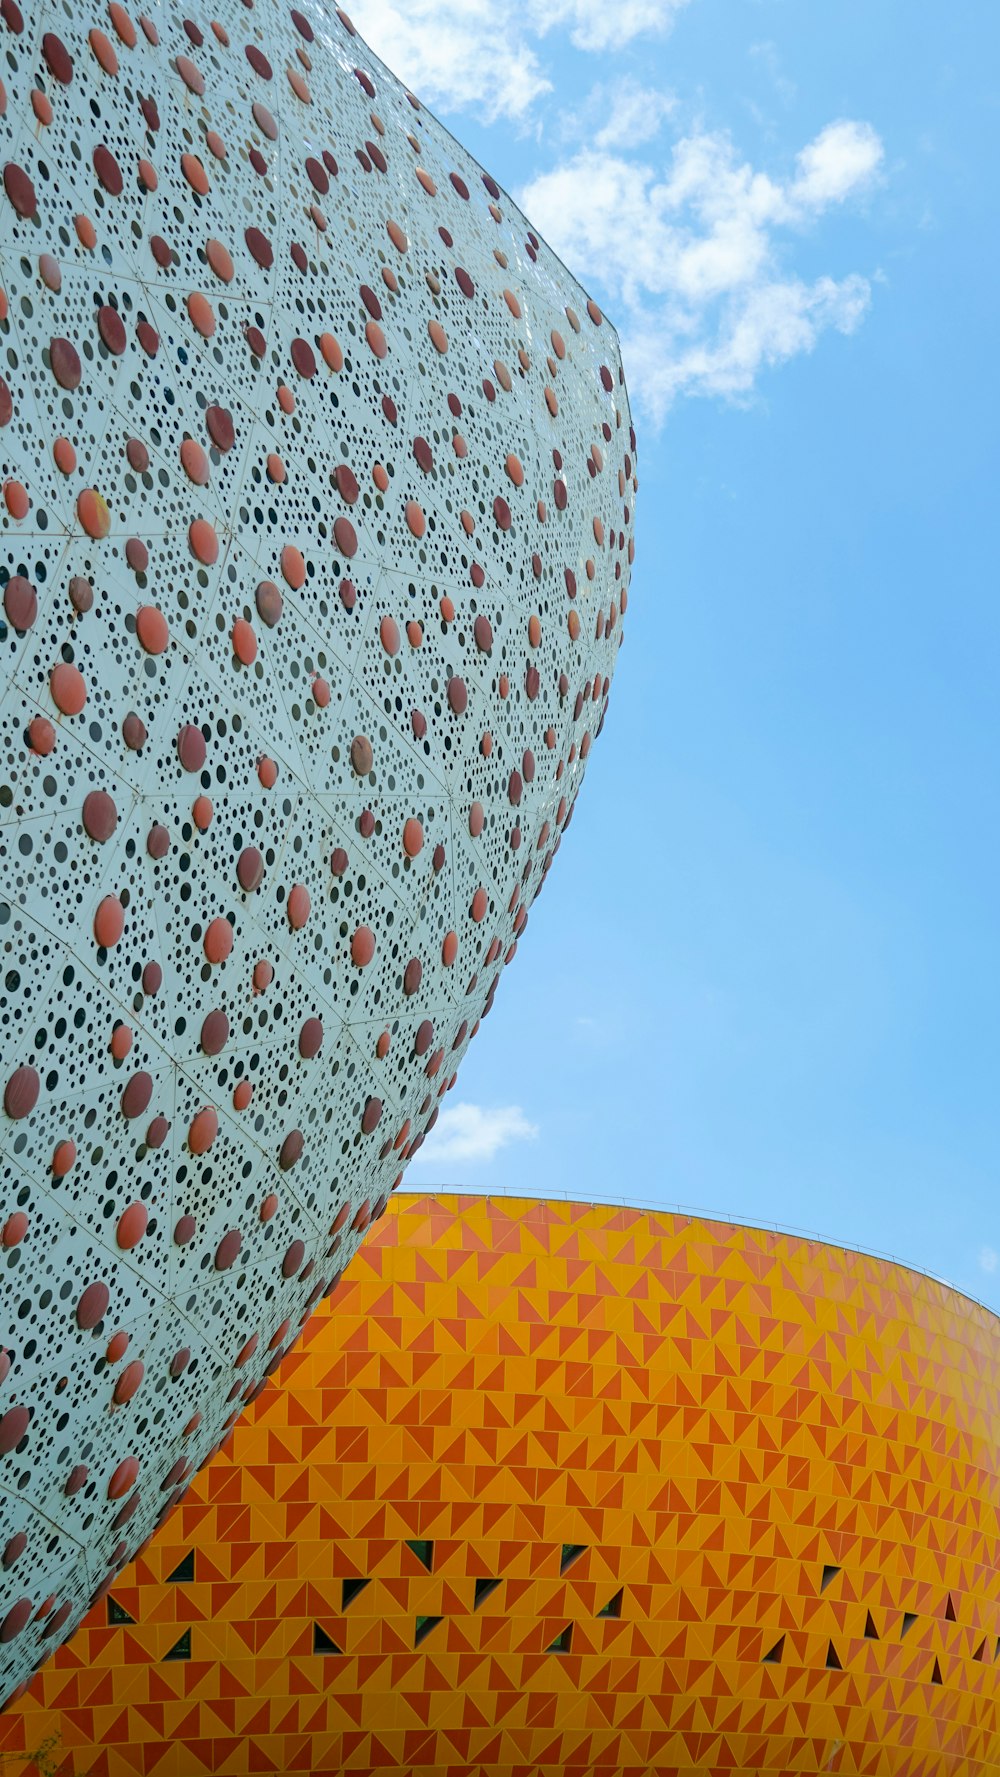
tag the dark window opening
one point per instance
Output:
(949, 1611)
(424, 1552)
(484, 1590)
(871, 1633)
(424, 1627)
(773, 1656)
(324, 1643)
(833, 1659)
(980, 1653)
(349, 1591)
(117, 1612)
(563, 1642)
(184, 1571)
(570, 1553)
(936, 1674)
(181, 1649)
(829, 1574)
(613, 1608)
(909, 1618)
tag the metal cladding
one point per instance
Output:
(317, 508)
(560, 1489)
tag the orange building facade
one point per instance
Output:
(556, 1489)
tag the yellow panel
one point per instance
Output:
(764, 1446)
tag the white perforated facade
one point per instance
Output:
(318, 482)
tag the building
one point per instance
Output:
(317, 493)
(559, 1488)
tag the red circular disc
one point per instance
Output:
(13, 1426)
(21, 1092)
(250, 869)
(132, 1226)
(17, 1618)
(128, 1382)
(123, 1478)
(292, 1261)
(291, 1149)
(20, 602)
(137, 1095)
(100, 816)
(227, 1249)
(191, 748)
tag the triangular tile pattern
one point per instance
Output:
(724, 1419)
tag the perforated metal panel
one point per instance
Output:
(317, 503)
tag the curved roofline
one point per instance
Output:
(696, 1212)
(322, 28)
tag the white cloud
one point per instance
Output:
(470, 1134)
(439, 50)
(617, 114)
(481, 54)
(766, 326)
(988, 1259)
(598, 25)
(690, 254)
(691, 248)
(843, 158)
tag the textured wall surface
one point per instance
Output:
(748, 1483)
(316, 500)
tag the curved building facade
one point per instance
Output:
(317, 481)
(555, 1488)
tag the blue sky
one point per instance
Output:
(763, 977)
